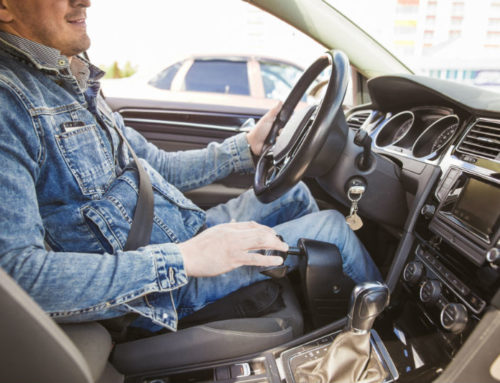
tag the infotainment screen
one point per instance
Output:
(478, 206)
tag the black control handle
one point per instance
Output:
(279, 271)
(363, 139)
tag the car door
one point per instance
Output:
(176, 126)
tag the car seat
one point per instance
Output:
(34, 348)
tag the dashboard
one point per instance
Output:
(429, 122)
(444, 141)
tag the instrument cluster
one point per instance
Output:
(420, 133)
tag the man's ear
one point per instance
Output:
(5, 15)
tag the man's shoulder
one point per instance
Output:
(19, 81)
(12, 84)
(11, 70)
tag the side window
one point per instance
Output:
(219, 76)
(278, 79)
(163, 80)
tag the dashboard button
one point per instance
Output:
(430, 291)
(413, 272)
(454, 317)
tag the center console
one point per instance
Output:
(449, 277)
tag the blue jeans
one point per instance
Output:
(295, 215)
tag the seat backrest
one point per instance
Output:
(32, 347)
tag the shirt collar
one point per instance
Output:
(44, 57)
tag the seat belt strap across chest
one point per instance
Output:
(142, 223)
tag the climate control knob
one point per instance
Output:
(493, 256)
(430, 291)
(454, 317)
(413, 272)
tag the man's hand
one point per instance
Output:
(225, 247)
(259, 133)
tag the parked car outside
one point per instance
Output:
(235, 80)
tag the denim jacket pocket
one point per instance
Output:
(100, 228)
(94, 171)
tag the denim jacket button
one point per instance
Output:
(171, 276)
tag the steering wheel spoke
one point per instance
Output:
(304, 132)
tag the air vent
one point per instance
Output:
(482, 140)
(355, 120)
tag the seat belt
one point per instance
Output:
(138, 236)
(142, 223)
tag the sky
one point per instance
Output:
(151, 34)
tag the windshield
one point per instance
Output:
(456, 40)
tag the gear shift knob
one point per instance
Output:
(368, 300)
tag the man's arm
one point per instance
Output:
(195, 168)
(67, 282)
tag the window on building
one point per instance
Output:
(451, 74)
(405, 47)
(405, 27)
(495, 9)
(454, 34)
(493, 36)
(219, 76)
(456, 20)
(427, 48)
(431, 6)
(428, 34)
(457, 8)
(406, 10)
(430, 20)
(436, 73)
(494, 22)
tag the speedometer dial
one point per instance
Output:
(395, 129)
(435, 137)
(443, 137)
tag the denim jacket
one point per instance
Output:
(66, 182)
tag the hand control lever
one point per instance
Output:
(279, 271)
(363, 139)
(368, 300)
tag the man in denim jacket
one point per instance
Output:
(66, 181)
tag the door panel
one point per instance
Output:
(173, 127)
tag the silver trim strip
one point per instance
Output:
(235, 129)
(384, 354)
(182, 112)
(281, 368)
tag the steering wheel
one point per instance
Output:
(310, 139)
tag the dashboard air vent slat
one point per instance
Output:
(482, 140)
(356, 120)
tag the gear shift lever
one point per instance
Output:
(368, 300)
(349, 358)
